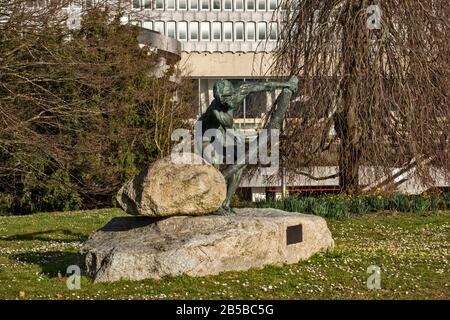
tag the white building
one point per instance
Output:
(228, 39)
(219, 39)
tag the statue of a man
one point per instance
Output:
(219, 115)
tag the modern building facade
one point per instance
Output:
(226, 39)
(219, 39)
(233, 39)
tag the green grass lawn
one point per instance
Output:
(412, 251)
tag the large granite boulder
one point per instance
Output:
(136, 248)
(167, 188)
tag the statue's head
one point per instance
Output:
(222, 90)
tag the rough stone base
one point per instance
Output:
(137, 248)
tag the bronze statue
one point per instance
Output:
(219, 115)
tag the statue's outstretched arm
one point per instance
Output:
(248, 88)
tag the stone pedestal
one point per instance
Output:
(136, 248)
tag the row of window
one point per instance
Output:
(62, 3)
(215, 5)
(215, 31)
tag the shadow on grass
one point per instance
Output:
(51, 262)
(66, 235)
(128, 223)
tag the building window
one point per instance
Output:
(148, 25)
(216, 4)
(205, 4)
(194, 4)
(204, 28)
(250, 4)
(216, 31)
(76, 4)
(170, 4)
(136, 4)
(170, 29)
(262, 5)
(228, 5)
(256, 105)
(239, 31)
(239, 5)
(159, 26)
(182, 30)
(251, 30)
(159, 4)
(273, 4)
(182, 4)
(147, 4)
(261, 31)
(228, 31)
(193, 29)
(273, 31)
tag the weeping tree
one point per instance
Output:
(374, 89)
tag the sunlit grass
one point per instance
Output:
(412, 251)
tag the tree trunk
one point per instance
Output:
(347, 124)
(349, 163)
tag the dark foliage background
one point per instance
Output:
(80, 111)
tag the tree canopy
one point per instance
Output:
(80, 109)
